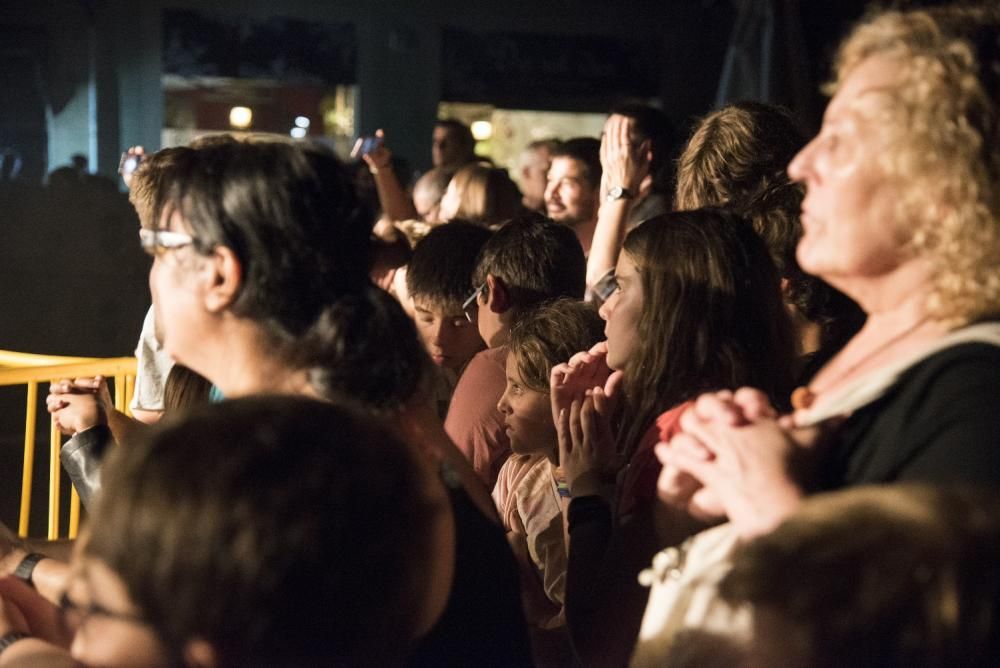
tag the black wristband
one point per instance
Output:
(25, 569)
(11, 638)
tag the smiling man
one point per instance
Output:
(572, 195)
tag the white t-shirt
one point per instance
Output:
(153, 366)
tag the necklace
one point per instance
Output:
(803, 397)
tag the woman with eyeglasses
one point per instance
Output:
(260, 281)
(696, 305)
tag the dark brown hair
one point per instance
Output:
(536, 259)
(184, 389)
(893, 576)
(282, 531)
(712, 316)
(441, 268)
(289, 214)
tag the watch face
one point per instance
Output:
(618, 192)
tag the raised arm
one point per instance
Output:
(396, 204)
(625, 165)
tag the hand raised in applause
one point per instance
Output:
(584, 393)
(735, 456)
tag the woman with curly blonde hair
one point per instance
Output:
(902, 213)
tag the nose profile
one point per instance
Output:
(607, 307)
(503, 405)
(798, 167)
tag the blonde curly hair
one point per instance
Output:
(943, 128)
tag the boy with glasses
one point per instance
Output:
(526, 263)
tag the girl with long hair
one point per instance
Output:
(697, 305)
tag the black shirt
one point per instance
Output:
(940, 423)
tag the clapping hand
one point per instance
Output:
(733, 458)
(584, 393)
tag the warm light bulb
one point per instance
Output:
(240, 117)
(482, 130)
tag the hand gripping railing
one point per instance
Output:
(30, 370)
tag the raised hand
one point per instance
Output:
(623, 162)
(588, 393)
(130, 162)
(571, 380)
(379, 157)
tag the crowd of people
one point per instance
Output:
(723, 402)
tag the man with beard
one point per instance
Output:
(572, 195)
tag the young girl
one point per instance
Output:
(526, 492)
(697, 306)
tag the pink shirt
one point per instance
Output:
(473, 421)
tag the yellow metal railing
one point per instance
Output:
(31, 370)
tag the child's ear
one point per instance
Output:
(224, 278)
(497, 297)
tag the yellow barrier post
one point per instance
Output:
(54, 445)
(129, 392)
(120, 392)
(29, 459)
(30, 370)
(74, 513)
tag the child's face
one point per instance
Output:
(450, 339)
(527, 415)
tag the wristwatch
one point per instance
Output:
(616, 193)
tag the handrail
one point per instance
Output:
(107, 367)
(30, 370)
(11, 358)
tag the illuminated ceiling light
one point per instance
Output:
(298, 133)
(301, 122)
(482, 130)
(240, 117)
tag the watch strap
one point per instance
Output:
(616, 193)
(26, 568)
(11, 638)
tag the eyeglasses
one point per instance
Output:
(75, 614)
(605, 286)
(470, 305)
(159, 240)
